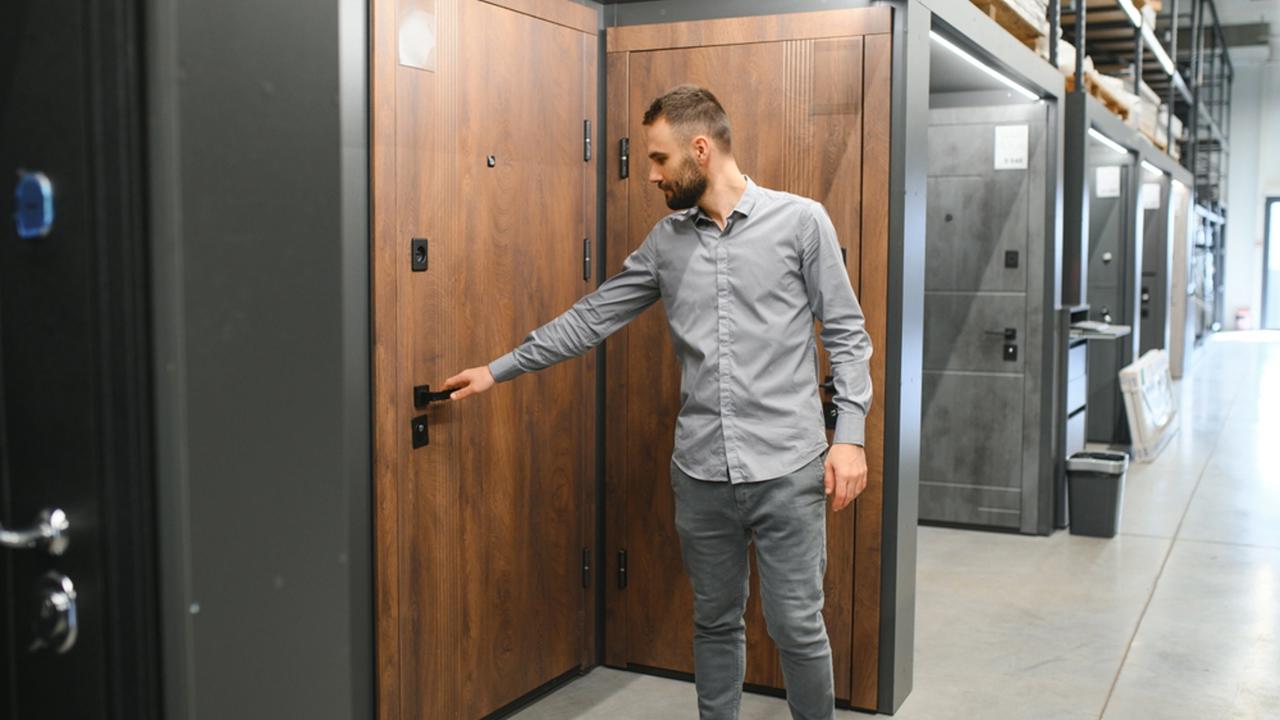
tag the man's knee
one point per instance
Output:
(798, 628)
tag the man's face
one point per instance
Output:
(673, 168)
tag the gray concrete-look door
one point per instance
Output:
(985, 238)
(1157, 212)
(1115, 262)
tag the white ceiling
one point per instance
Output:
(1241, 12)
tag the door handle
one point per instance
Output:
(50, 531)
(422, 396)
(829, 384)
(1009, 334)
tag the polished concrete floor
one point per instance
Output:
(1177, 617)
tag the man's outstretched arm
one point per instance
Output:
(592, 319)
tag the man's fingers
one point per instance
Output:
(842, 492)
(828, 478)
(455, 381)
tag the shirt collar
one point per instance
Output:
(745, 205)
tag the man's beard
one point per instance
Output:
(688, 189)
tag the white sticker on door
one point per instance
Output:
(1107, 181)
(1011, 147)
(1150, 196)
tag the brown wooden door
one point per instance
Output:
(807, 95)
(479, 149)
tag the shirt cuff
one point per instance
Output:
(850, 429)
(505, 368)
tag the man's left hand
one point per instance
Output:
(845, 474)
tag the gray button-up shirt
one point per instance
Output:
(740, 304)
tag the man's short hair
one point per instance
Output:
(692, 110)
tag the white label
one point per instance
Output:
(1011, 147)
(417, 34)
(1107, 181)
(1150, 196)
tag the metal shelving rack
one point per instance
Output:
(1183, 58)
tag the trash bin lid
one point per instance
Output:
(1110, 463)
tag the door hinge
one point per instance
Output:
(622, 569)
(586, 141)
(586, 258)
(624, 158)
(586, 568)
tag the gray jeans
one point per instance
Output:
(787, 519)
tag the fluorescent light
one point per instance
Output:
(1152, 169)
(982, 66)
(1107, 141)
(1157, 49)
(1135, 17)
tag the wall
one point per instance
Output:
(258, 161)
(1254, 174)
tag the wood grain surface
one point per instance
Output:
(480, 534)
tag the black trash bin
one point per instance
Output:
(1095, 481)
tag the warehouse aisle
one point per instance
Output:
(1177, 617)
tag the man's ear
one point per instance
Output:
(701, 149)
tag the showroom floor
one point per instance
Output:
(1177, 617)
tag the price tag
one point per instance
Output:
(1011, 147)
(1107, 181)
(1150, 196)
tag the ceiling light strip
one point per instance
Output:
(983, 66)
(1107, 141)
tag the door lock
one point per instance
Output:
(1009, 334)
(50, 531)
(55, 626)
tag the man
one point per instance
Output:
(742, 272)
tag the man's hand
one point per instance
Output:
(469, 382)
(846, 474)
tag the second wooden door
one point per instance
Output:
(807, 96)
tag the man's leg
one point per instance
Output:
(713, 543)
(789, 517)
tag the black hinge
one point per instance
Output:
(586, 258)
(586, 141)
(622, 569)
(624, 158)
(586, 568)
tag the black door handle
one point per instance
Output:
(1009, 334)
(422, 396)
(829, 384)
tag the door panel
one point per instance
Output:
(975, 430)
(809, 141)
(965, 332)
(484, 527)
(974, 221)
